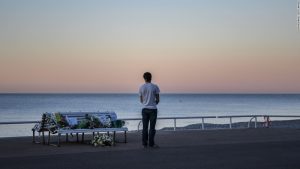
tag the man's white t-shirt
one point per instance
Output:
(148, 91)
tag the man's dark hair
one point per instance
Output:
(147, 76)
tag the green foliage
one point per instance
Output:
(84, 124)
(61, 120)
(90, 122)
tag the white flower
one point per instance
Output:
(103, 140)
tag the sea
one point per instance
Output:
(29, 107)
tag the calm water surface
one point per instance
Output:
(15, 107)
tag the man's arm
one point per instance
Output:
(141, 99)
(157, 98)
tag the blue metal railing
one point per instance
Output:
(252, 117)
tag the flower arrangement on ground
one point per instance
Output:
(102, 140)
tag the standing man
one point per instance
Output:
(149, 97)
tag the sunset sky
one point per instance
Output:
(190, 46)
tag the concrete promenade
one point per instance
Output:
(209, 149)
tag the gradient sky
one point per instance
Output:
(190, 46)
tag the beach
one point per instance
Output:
(236, 148)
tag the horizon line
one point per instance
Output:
(196, 93)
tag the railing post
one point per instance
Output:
(255, 124)
(174, 124)
(139, 126)
(58, 140)
(202, 123)
(230, 123)
(43, 135)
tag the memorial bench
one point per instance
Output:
(65, 123)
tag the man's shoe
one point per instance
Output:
(154, 146)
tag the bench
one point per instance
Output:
(65, 123)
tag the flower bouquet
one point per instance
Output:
(102, 140)
(61, 120)
(89, 122)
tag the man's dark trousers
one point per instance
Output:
(149, 115)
